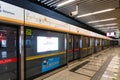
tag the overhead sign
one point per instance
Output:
(111, 34)
(37, 18)
(11, 11)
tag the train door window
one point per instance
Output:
(8, 52)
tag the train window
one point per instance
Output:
(45, 51)
(8, 52)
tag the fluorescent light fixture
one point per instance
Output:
(112, 24)
(107, 27)
(110, 19)
(64, 3)
(97, 12)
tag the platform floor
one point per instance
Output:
(104, 65)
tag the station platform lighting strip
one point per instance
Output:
(12, 14)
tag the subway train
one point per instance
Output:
(32, 46)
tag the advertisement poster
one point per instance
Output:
(50, 63)
(3, 39)
(47, 44)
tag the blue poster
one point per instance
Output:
(50, 63)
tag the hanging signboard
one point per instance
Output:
(9, 11)
(32, 17)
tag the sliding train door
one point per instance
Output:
(100, 44)
(44, 51)
(95, 47)
(9, 52)
(84, 47)
(91, 45)
(70, 48)
(88, 46)
(76, 47)
(103, 44)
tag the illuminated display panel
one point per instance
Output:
(111, 34)
(47, 44)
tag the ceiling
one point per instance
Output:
(90, 6)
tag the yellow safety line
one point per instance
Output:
(84, 48)
(46, 55)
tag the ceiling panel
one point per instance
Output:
(88, 6)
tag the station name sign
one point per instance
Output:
(10, 11)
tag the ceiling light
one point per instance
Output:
(106, 25)
(64, 3)
(93, 13)
(108, 29)
(110, 19)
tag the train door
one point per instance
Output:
(95, 47)
(91, 44)
(45, 51)
(76, 47)
(100, 44)
(70, 48)
(88, 45)
(108, 43)
(84, 49)
(105, 42)
(80, 43)
(8, 52)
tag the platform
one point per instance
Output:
(104, 65)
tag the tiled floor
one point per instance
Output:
(112, 72)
